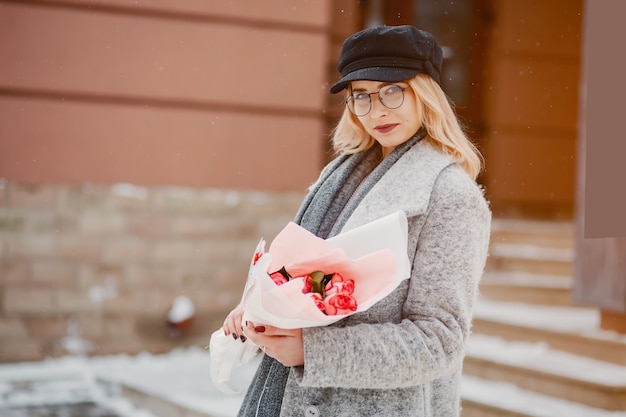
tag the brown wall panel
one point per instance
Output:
(191, 93)
(530, 96)
(313, 13)
(544, 27)
(66, 50)
(534, 94)
(52, 141)
(531, 168)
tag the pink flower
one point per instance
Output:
(339, 303)
(337, 284)
(308, 284)
(278, 278)
(347, 286)
(318, 300)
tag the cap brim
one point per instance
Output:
(374, 74)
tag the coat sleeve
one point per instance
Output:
(428, 341)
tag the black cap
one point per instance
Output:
(388, 53)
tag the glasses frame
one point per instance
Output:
(369, 96)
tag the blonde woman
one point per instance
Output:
(400, 147)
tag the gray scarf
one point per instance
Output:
(323, 212)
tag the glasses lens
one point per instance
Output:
(359, 104)
(391, 96)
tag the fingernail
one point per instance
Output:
(243, 338)
(259, 329)
(234, 335)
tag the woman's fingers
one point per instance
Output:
(232, 324)
(284, 345)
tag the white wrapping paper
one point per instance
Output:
(373, 255)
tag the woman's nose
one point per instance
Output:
(378, 108)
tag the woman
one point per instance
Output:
(401, 148)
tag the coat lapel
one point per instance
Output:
(406, 186)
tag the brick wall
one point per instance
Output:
(101, 265)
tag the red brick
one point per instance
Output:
(102, 222)
(20, 350)
(124, 249)
(181, 250)
(147, 224)
(51, 222)
(11, 222)
(46, 327)
(14, 272)
(31, 246)
(53, 272)
(122, 304)
(12, 328)
(100, 326)
(79, 248)
(75, 301)
(96, 274)
(156, 302)
(26, 300)
(25, 195)
(4, 193)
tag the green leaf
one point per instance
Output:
(284, 273)
(317, 282)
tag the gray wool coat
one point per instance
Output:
(403, 357)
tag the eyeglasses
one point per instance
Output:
(391, 96)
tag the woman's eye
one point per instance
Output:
(361, 96)
(392, 89)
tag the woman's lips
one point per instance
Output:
(385, 128)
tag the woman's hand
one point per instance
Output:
(233, 324)
(284, 345)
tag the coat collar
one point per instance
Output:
(406, 186)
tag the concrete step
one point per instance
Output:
(484, 398)
(530, 258)
(538, 368)
(522, 287)
(570, 329)
(551, 234)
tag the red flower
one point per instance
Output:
(308, 284)
(319, 301)
(278, 278)
(331, 293)
(339, 303)
(339, 285)
(347, 286)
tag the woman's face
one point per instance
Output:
(389, 127)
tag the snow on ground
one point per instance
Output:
(577, 320)
(180, 377)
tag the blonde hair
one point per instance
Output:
(436, 115)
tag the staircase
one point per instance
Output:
(532, 352)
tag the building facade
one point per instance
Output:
(146, 146)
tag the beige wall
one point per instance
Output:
(104, 264)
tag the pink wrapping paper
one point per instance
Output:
(373, 255)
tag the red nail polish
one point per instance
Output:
(259, 329)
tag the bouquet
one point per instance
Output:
(305, 281)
